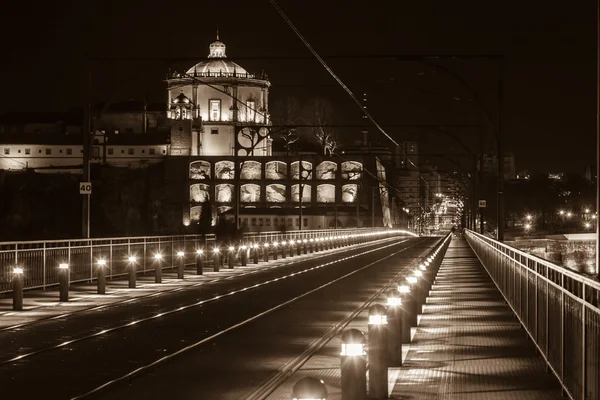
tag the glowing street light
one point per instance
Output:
(588, 225)
(180, 254)
(529, 217)
(527, 227)
(158, 256)
(199, 252)
(101, 262)
(131, 259)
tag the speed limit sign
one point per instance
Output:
(85, 187)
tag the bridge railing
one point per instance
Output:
(278, 236)
(558, 308)
(40, 260)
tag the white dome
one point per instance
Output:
(217, 63)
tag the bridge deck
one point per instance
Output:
(468, 344)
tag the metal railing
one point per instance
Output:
(273, 236)
(40, 259)
(557, 307)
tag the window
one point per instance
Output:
(215, 110)
(214, 131)
(110, 151)
(48, 151)
(116, 131)
(268, 221)
(60, 151)
(19, 151)
(275, 221)
(250, 109)
(305, 222)
(297, 221)
(260, 222)
(289, 222)
(245, 221)
(164, 151)
(40, 151)
(122, 151)
(81, 151)
(152, 151)
(143, 151)
(6, 151)
(69, 152)
(253, 221)
(130, 152)
(27, 151)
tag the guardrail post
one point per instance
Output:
(309, 389)
(406, 300)
(266, 252)
(101, 271)
(231, 257)
(131, 271)
(216, 259)
(244, 255)
(353, 366)
(378, 373)
(199, 262)
(17, 288)
(394, 317)
(180, 265)
(63, 277)
(158, 268)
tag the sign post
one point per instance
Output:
(85, 188)
(482, 206)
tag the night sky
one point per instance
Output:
(550, 64)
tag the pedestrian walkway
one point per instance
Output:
(42, 304)
(468, 344)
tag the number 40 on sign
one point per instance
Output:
(85, 187)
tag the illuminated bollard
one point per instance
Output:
(255, 253)
(266, 252)
(199, 262)
(216, 259)
(309, 389)
(63, 278)
(310, 245)
(353, 366)
(283, 246)
(406, 300)
(305, 244)
(417, 273)
(244, 255)
(180, 264)
(275, 250)
(378, 352)
(317, 244)
(299, 246)
(17, 288)
(131, 271)
(394, 319)
(414, 295)
(292, 248)
(101, 271)
(231, 257)
(158, 268)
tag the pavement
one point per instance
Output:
(39, 304)
(467, 345)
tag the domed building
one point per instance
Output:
(207, 102)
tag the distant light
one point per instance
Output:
(199, 251)
(180, 254)
(63, 266)
(404, 288)
(283, 243)
(231, 248)
(158, 256)
(216, 250)
(587, 210)
(394, 301)
(255, 245)
(266, 245)
(529, 217)
(411, 279)
(243, 247)
(377, 319)
(587, 225)
(352, 349)
(275, 244)
(527, 226)
(102, 262)
(131, 259)
(418, 272)
(17, 270)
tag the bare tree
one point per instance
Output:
(322, 116)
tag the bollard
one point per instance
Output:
(406, 300)
(417, 273)
(63, 278)
(298, 246)
(216, 261)
(244, 255)
(283, 244)
(353, 366)
(275, 245)
(305, 243)
(199, 262)
(255, 249)
(180, 264)
(101, 276)
(317, 244)
(231, 257)
(378, 352)
(414, 303)
(311, 245)
(309, 389)
(291, 248)
(266, 252)
(158, 268)
(17, 288)
(131, 271)
(394, 318)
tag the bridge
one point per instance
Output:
(465, 317)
